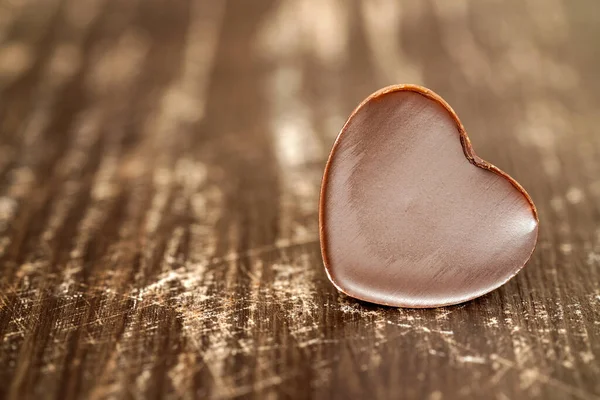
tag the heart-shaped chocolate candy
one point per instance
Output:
(409, 215)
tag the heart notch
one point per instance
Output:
(409, 216)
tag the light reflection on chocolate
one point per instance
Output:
(410, 216)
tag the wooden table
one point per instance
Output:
(160, 164)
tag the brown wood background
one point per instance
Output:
(160, 163)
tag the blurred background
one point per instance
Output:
(160, 164)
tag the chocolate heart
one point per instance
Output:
(409, 215)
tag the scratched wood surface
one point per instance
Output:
(160, 163)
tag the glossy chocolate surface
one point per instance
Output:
(410, 216)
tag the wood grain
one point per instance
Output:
(160, 164)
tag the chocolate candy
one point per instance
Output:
(409, 216)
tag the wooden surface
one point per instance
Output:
(160, 163)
